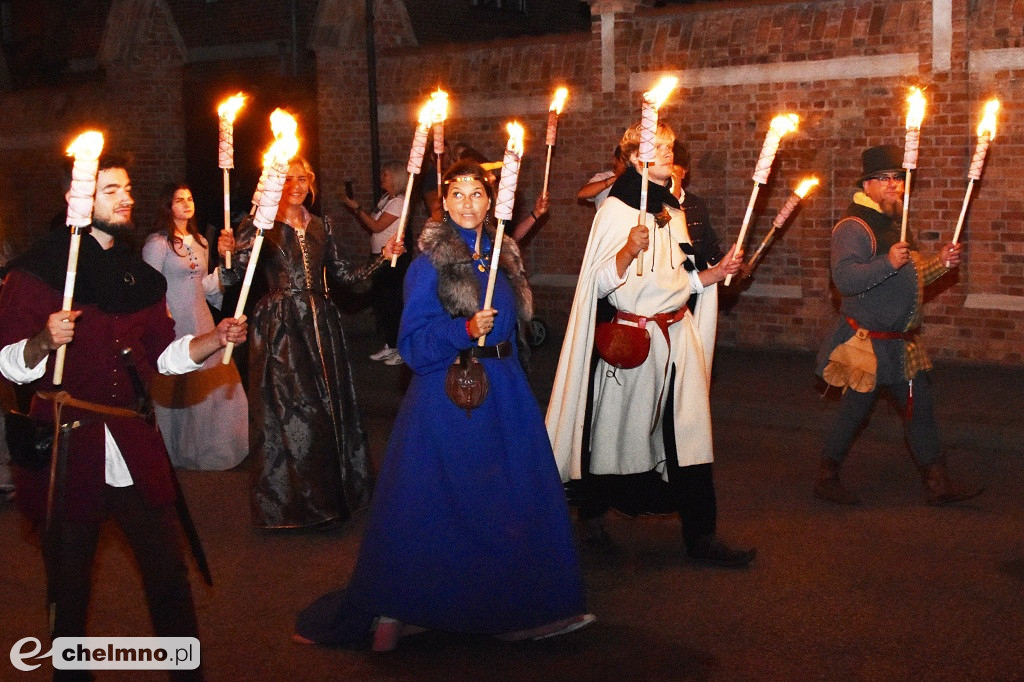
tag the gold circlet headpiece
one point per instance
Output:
(463, 178)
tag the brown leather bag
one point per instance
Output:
(466, 383)
(621, 345)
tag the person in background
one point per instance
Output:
(382, 224)
(203, 415)
(597, 188)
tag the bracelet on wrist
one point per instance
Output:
(469, 333)
(534, 216)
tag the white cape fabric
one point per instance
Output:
(626, 434)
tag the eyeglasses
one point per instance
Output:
(889, 177)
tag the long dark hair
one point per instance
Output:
(165, 218)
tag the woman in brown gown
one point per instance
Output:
(308, 447)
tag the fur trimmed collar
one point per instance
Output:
(458, 287)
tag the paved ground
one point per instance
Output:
(891, 590)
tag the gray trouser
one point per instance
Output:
(921, 431)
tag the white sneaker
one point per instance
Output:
(394, 358)
(383, 353)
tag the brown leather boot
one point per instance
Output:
(940, 490)
(827, 486)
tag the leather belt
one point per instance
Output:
(663, 320)
(905, 336)
(502, 350)
(62, 398)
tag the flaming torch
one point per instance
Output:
(416, 153)
(503, 205)
(780, 125)
(275, 169)
(86, 149)
(653, 99)
(794, 199)
(226, 113)
(439, 102)
(557, 103)
(915, 116)
(986, 133)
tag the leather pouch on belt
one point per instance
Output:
(466, 383)
(853, 364)
(622, 345)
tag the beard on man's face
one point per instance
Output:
(116, 230)
(892, 207)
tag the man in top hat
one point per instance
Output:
(875, 344)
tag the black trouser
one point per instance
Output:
(386, 297)
(153, 536)
(921, 430)
(690, 490)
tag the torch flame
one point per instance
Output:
(558, 101)
(915, 113)
(286, 141)
(988, 121)
(805, 186)
(426, 115)
(87, 146)
(515, 137)
(660, 92)
(784, 123)
(439, 104)
(228, 109)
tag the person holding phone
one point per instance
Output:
(382, 224)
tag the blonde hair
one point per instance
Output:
(630, 143)
(399, 174)
(301, 160)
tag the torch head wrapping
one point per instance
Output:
(86, 149)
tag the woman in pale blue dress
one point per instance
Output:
(203, 416)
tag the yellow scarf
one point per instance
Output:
(864, 200)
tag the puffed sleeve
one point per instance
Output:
(429, 338)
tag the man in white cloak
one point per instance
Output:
(608, 425)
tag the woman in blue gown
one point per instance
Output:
(469, 529)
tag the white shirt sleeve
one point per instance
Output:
(608, 279)
(175, 359)
(603, 194)
(12, 364)
(698, 286)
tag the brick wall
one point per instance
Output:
(843, 65)
(136, 103)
